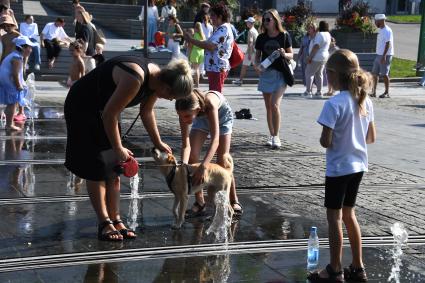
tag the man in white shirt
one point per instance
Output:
(30, 29)
(249, 57)
(166, 11)
(384, 55)
(51, 37)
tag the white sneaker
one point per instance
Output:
(237, 82)
(269, 141)
(276, 142)
(37, 67)
(308, 94)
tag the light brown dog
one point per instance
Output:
(179, 181)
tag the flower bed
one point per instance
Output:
(294, 19)
(355, 29)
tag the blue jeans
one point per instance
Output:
(35, 54)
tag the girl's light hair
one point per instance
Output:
(198, 29)
(350, 76)
(196, 100)
(178, 75)
(278, 22)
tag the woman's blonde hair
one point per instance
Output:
(178, 75)
(198, 29)
(310, 24)
(278, 22)
(350, 76)
(86, 17)
(196, 100)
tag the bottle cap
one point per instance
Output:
(313, 229)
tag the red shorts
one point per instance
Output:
(216, 80)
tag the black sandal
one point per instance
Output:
(238, 211)
(333, 276)
(355, 274)
(107, 236)
(192, 214)
(124, 232)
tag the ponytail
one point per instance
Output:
(350, 76)
(178, 75)
(358, 84)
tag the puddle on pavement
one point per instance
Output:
(288, 266)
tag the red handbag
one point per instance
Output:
(236, 58)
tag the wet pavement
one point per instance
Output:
(48, 229)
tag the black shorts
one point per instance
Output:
(342, 191)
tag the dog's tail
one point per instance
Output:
(228, 162)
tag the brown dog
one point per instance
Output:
(179, 181)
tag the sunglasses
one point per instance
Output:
(267, 20)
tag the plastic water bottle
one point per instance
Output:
(313, 248)
(269, 60)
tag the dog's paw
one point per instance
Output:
(176, 226)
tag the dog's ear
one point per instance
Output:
(171, 159)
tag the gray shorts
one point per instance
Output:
(225, 120)
(382, 69)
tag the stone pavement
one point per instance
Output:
(50, 235)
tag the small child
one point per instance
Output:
(196, 54)
(348, 126)
(202, 114)
(98, 57)
(187, 46)
(77, 68)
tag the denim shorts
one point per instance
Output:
(225, 120)
(271, 81)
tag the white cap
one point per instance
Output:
(250, 20)
(23, 40)
(380, 17)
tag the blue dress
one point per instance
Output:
(9, 94)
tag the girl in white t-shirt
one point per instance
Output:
(348, 126)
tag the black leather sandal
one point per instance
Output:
(238, 211)
(107, 236)
(334, 277)
(124, 232)
(192, 214)
(355, 274)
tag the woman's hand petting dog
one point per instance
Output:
(199, 175)
(164, 147)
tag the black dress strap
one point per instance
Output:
(129, 70)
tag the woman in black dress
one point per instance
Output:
(92, 110)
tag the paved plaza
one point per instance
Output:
(49, 227)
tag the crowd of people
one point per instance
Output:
(20, 50)
(347, 118)
(92, 121)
